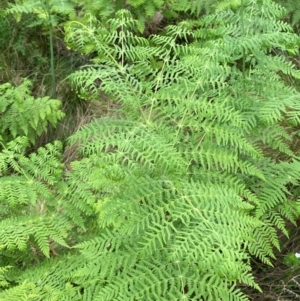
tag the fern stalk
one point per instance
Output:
(243, 33)
(51, 48)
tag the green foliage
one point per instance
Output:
(142, 9)
(181, 184)
(186, 171)
(41, 216)
(292, 260)
(192, 165)
(20, 54)
(292, 9)
(25, 197)
(23, 115)
(47, 12)
(27, 193)
(145, 11)
(4, 34)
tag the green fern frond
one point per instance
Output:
(206, 116)
(40, 8)
(21, 114)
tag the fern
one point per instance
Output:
(21, 114)
(36, 221)
(184, 183)
(149, 13)
(292, 10)
(40, 8)
(41, 217)
(202, 111)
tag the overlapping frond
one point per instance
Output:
(22, 114)
(185, 183)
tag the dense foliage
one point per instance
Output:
(187, 177)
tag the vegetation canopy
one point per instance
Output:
(190, 175)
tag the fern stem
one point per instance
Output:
(122, 40)
(155, 91)
(186, 111)
(199, 143)
(159, 77)
(243, 33)
(52, 69)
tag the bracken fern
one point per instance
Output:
(185, 180)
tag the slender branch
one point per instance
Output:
(52, 68)
(243, 33)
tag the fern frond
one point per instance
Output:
(21, 114)
(190, 165)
